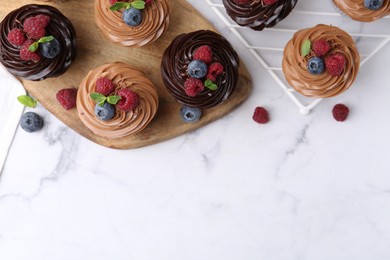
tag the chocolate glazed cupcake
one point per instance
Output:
(180, 53)
(258, 14)
(59, 27)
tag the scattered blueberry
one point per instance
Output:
(132, 16)
(105, 112)
(50, 49)
(31, 122)
(197, 69)
(315, 65)
(190, 114)
(373, 4)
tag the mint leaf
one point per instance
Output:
(33, 47)
(305, 49)
(119, 5)
(46, 39)
(138, 4)
(113, 99)
(98, 98)
(210, 85)
(27, 101)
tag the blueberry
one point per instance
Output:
(31, 122)
(197, 69)
(373, 4)
(50, 49)
(105, 112)
(315, 65)
(132, 16)
(190, 114)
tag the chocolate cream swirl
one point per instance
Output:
(356, 10)
(179, 54)
(59, 27)
(256, 15)
(323, 85)
(123, 123)
(155, 20)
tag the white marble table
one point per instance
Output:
(300, 187)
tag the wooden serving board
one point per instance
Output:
(94, 50)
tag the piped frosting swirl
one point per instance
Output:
(356, 10)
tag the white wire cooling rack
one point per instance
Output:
(268, 45)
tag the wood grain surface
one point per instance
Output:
(94, 50)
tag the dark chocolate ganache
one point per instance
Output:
(257, 15)
(59, 27)
(180, 53)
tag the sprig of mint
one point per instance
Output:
(33, 47)
(305, 49)
(137, 4)
(27, 101)
(100, 98)
(210, 85)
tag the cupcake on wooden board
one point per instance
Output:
(364, 10)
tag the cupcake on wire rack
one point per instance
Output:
(364, 10)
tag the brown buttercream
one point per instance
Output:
(357, 11)
(322, 85)
(155, 20)
(123, 123)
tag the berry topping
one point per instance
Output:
(67, 97)
(190, 114)
(193, 86)
(373, 4)
(104, 112)
(315, 65)
(340, 112)
(113, 2)
(197, 69)
(269, 2)
(129, 99)
(104, 86)
(335, 64)
(148, 2)
(31, 122)
(215, 69)
(27, 55)
(16, 37)
(321, 47)
(204, 54)
(43, 20)
(132, 16)
(50, 49)
(34, 27)
(261, 115)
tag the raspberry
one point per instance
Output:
(34, 28)
(44, 20)
(67, 97)
(242, 2)
(204, 54)
(193, 87)
(148, 2)
(321, 47)
(335, 64)
(27, 55)
(115, 1)
(340, 112)
(261, 115)
(269, 2)
(129, 99)
(104, 86)
(215, 69)
(16, 37)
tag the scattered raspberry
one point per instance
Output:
(104, 86)
(242, 2)
(129, 99)
(193, 86)
(340, 112)
(321, 47)
(269, 2)
(335, 64)
(67, 97)
(204, 54)
(44, 20)
(35, 28)
(261, 115)
(16, 37)
(27, 55)
(215, 69)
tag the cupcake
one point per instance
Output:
(116, 100)
(132, 23)
(258, 14)
(200, 69)
(37, 42)
(321, 61)
(364, 10)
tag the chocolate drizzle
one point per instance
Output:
(59, 27)
(256, 15)
(179, 54)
